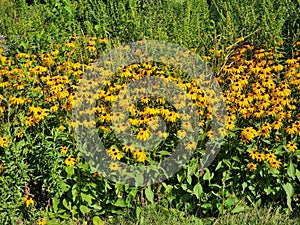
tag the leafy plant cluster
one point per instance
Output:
(43, 175)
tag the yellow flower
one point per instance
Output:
(291, 146)
(270, 157)
(140, 155)
(70, 161)
(252, 154)
(229, 125)
(42, 221)
(103, 40)
(19, 133)
(113, 166)
(115, 153)
(143, 134)
(277, 125)
(251, 166)
(181, 134)
(259, 156)
(28, 201)
(171, 116)
(275, 164)
(249, 133)
(291, 129)
(191, 145)
(128, 147)
(4, 142)
(17, 101)
(61, 128)
(64, 150)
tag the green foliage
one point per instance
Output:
(33, 164)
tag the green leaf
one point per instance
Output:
(289, 190)
(189, 179)
(139, 180)
(149, 194)
(298, 174)
(238, 209)
(97, 221)
(68, 9)
(198, 190)
(74, 192)
(219, 165)
(297, 153)
(138, 212)
(229, 202)
(70, 170)
(55, 204)
(207, 175)
(84, 209)
(120, 203)
(291, 170)
(87, 198)
(66, 204)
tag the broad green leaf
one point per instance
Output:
(84, 209)
(298, 174)
(74, 192)
(97, 221)
(238, 209)
(289, 190)
(120, 203)
(138, 211)
(70, 170)
(229, 202)
(87, 198)
(66, 204)
(55, 204)
(149, 194)
(198, 190)
(291, 170)
(207, 175)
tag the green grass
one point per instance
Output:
(154, 215)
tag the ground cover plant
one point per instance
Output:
(253, 49)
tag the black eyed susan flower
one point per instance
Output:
(139, 155)
(270, 157)
(291, 129)
(70, 161)
(181, 134)
(27, 201)
(251, 166)
(143, 134)
(259, 156)
(128, 148)
(113, 166)
(291, 146)
(191, 145)
(249, 133)
(64, 149)
(115, 153)
(4, 142)
(277, 125)
(42, 221)
(229, 125)
(275, 164)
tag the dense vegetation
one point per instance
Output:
(253, 48)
